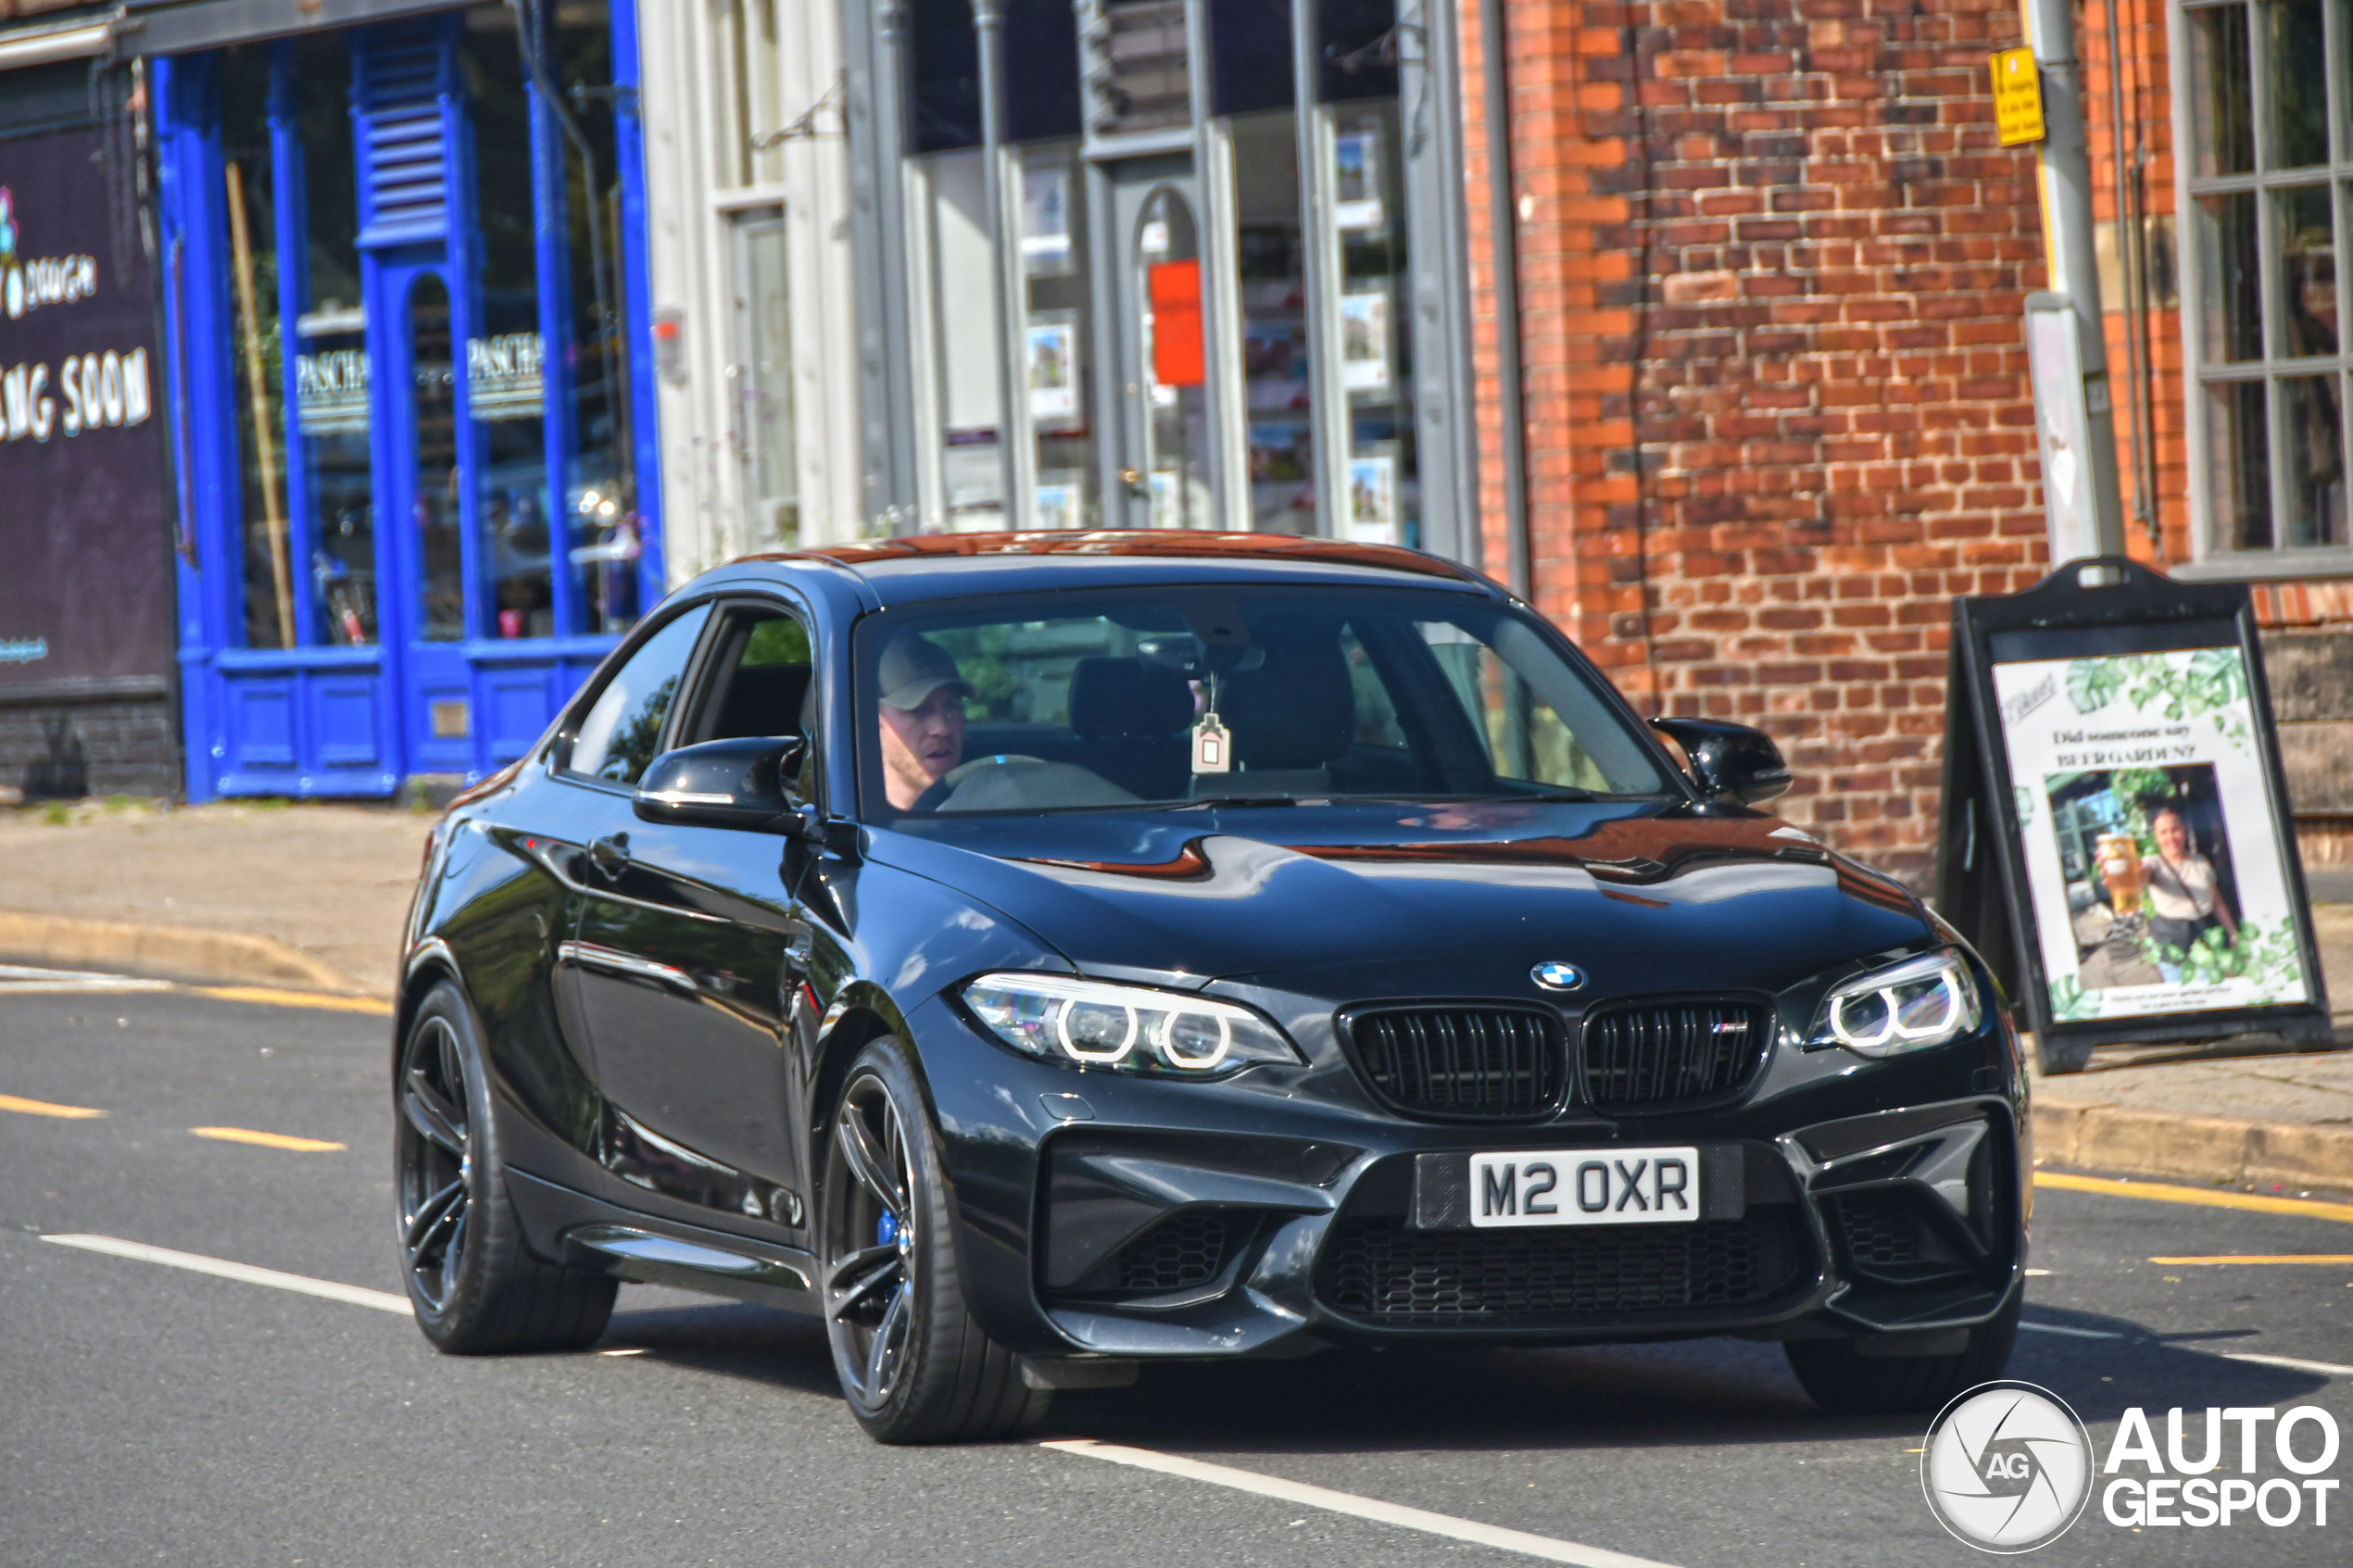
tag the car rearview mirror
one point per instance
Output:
(726, 783)
(1730, 762)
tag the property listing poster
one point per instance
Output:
(2153, 855)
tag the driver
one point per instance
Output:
(923, 717)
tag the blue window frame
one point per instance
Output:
(411, 387)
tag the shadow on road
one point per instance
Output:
(1710, 1393)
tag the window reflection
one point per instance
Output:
(432, 422)
(2312, 432)
(249, 175)
(331, 372)
(2221, 103)
(1058, 346)
(2239, 460)
(506, 377)
(2307, 266)
(1176, 406)
(2231, 281)
(2298, 84)
(1276, 358)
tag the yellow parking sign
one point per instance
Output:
(2018, 98)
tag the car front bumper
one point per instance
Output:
(1104, 1216)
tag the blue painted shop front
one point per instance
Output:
(411, 395)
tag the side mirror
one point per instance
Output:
(725, 783)
(1729, 761)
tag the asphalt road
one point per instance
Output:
(153, 1414)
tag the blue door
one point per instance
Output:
(415, 441)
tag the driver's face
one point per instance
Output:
(920, 744)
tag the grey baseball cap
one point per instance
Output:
(913, 668)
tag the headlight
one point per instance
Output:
(1123, 1027)
(1920, 1002)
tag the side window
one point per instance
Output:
(756, 681)
(1526, 738)
(623, 728)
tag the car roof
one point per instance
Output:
(936, 566)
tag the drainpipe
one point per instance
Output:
(1503, 231)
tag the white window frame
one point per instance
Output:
(2212, 555)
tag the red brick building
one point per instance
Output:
(1773, 263)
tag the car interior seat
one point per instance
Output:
(1291, 718)
(1132, 720)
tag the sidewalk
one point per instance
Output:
(312, 897)
(316, 892)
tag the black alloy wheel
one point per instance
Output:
(437, 1167)
(474, 1286)
(913, 1365)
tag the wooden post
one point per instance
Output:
(257, 381)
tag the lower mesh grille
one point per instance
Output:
(1381, 1270)
(1181, 1251)
(1880, 1229)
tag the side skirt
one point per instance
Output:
(586, 1233)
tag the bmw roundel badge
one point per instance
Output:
(1555, 975)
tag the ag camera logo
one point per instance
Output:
(2007, 1467)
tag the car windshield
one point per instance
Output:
(1177, 699)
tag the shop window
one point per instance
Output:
(1251, 40)
(1140, 66)
(951, 209)
(943, 55)
(1041, 70)
(2267, 198)
(1277, 343)
(432, 435)
(748, 155)
(600, 497)
(1383, 491)
(330, 426)
(1360, 49)
(763, 379)
(1059, 346)
(505, 361)
(249, 172)
(1167, 251)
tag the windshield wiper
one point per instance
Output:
(1212, 800)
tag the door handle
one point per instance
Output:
(611, 855)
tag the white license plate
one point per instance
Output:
(1616, 1186)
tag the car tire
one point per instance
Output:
(1845, 1382)
(915, 1367)
(475, 1286)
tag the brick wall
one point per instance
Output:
(1772, 265)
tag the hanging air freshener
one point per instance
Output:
(1213, 748)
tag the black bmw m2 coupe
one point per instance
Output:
(1037, 955)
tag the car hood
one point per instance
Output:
(1357, 900)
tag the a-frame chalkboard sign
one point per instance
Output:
(2115, 837)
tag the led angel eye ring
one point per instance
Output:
(1166, 1038)
(1079, 1053)
(1952, 1010)
(1838, 1021)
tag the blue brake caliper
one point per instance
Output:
(885, 1230)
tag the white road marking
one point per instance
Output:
(1445, 1524)
(302, 1285)
(2326, 1369)
(2072, 1332)
(18, 978)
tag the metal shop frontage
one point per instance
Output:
(404, 285)
(1162, 263)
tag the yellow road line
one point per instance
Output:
(2335, 1259)
(267, 1140)
(2161, 1191)
(43, 1108)
(269, 996)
